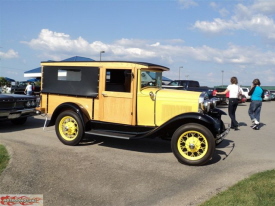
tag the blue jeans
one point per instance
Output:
(29, 92)
(232, 107)
(255, 110)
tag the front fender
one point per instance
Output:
(81, 111)
(216, 110)
(169, 127)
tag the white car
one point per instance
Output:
(267, 95)
(245, 91)
(272, 93)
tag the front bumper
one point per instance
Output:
(14, 114)
(220, 137)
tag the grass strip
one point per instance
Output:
(257, 190)
(4, 158)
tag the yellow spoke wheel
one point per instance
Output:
(193, 144)
(69, 128)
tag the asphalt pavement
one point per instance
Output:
(114, 172)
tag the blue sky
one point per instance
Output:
(203, 37)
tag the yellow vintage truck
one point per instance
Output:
(124, 99)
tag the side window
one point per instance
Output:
(183, 84)
(174, 83)
(69, 75)
(118, 80)
(194, 84)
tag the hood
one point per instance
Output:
(170, 103)
(14, 97)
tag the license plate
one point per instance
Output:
(13, 116)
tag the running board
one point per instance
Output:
(112, 134)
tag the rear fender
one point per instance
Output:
(78, 109)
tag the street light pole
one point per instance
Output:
(179, 71)
(100, 54)
(222, 78)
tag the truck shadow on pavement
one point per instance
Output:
(140, 145)
(223, 150)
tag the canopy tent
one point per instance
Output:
(78, 59)
(33, 80)
(9, 79)
(34, 73)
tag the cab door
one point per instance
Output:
(116, 98)
(149, 84)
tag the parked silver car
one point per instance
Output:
(272, 93)
(245, 91)
(267, 95)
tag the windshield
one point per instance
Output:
(151, 79)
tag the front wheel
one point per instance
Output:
(69, 128)
(193, 144)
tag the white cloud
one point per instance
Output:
(213, 5)
(252, 18)
(57, 46)
(55, 41)
(156, 44)
(216, 26)
(224, 12)
(10, 54)
(264, 6)
(54, 45)
(185, 4)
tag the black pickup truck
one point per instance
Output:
(17, 108)
(21, 86)
(189, 85)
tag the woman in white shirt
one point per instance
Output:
(28, 90)
(234, 92)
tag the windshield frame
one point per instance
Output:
(150, 78)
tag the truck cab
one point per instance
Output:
(123, 99)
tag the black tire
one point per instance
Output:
(193, 144)
(19, 121)
(69, 128)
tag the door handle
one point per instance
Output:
(152, 96)
(104, 95)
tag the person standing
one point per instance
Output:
(257, 95)
(28, 90)
(234, 92)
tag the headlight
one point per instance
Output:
(206, 104)
(213, 103)
(28, 104)
(33, 103)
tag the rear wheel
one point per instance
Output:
(69, 128)
(193, 144)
